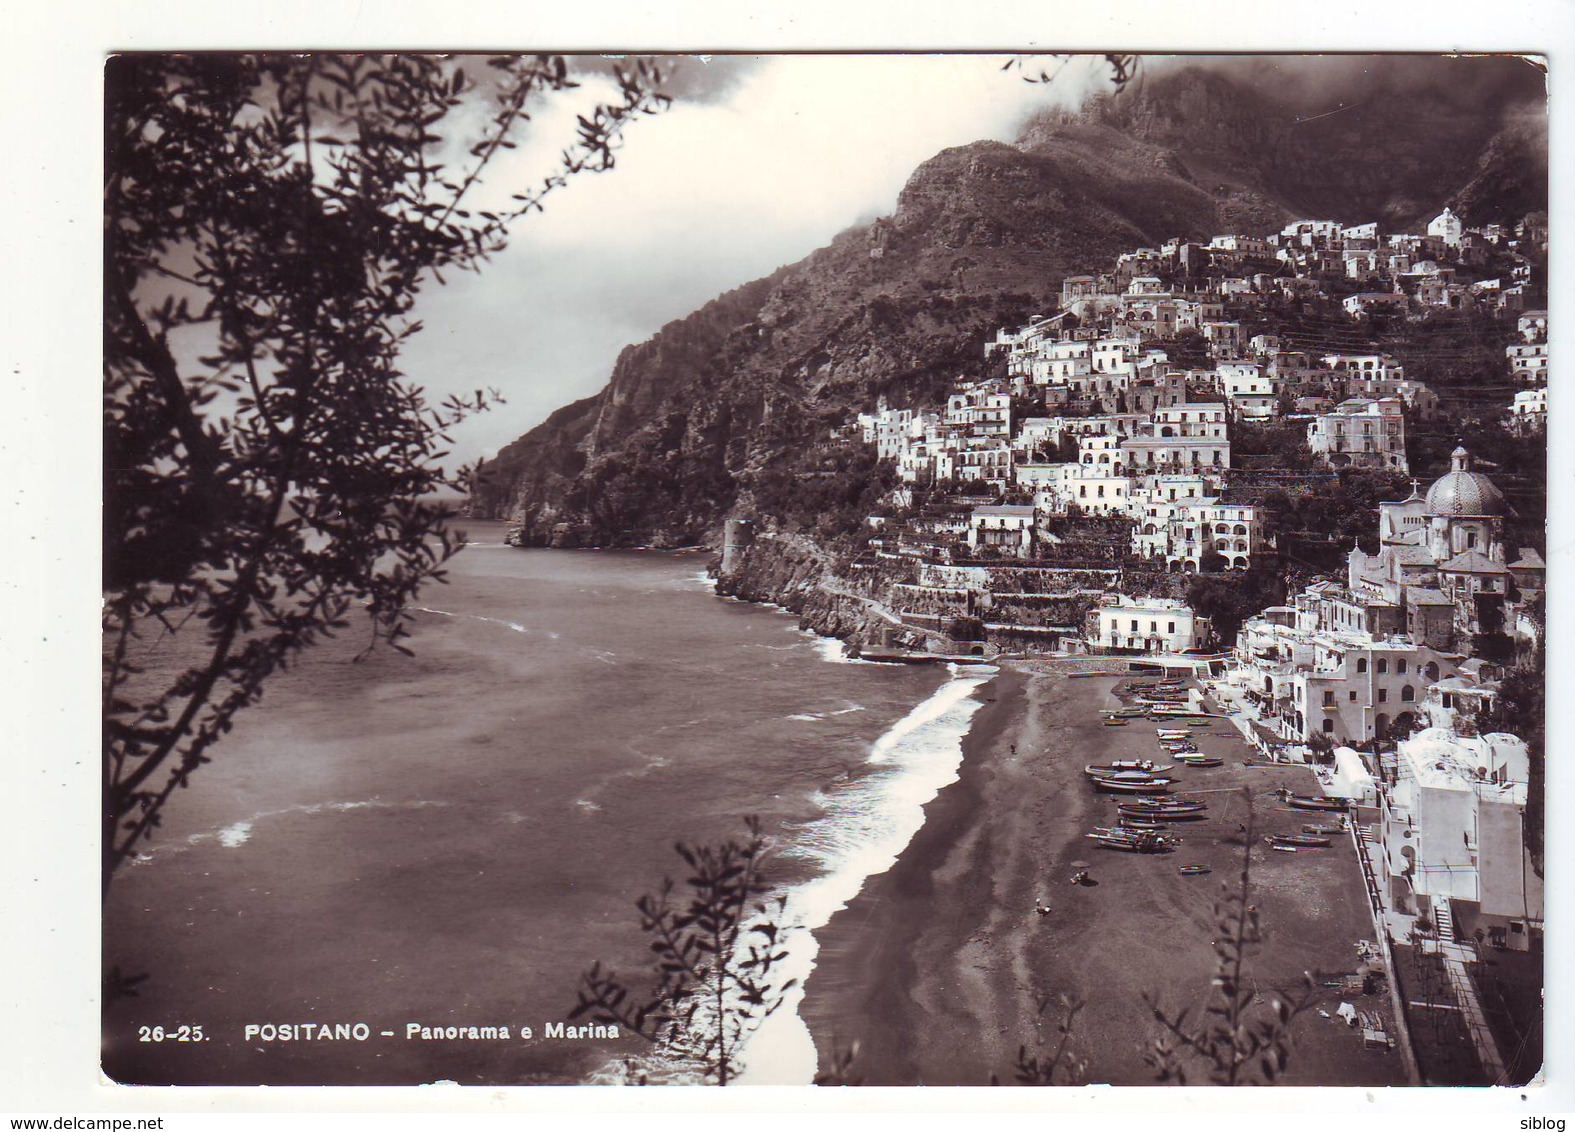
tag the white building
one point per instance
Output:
(1361, 433)
(1007, 528)
(1179, 532)
(980, 412)
(1252, 393)
(1528, 364)
(1447, 227)
(1533, 326)
(1368, 303)
(1451, 833)
(1089, 491)
(1146, 624)
(1529, 412)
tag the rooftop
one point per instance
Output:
(1473, 562)
(1442, 760)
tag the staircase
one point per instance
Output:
(1445, 919)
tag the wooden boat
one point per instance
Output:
(1154, 786)
(1168, 816)
(1207, 761)
(1164, 804)
(1302, 802)
(1329, 830)
(1127, 770)
(1115, 722)
(1193, 870)
(1199, 723)
(1179, 813)
(1127, 822)
(1176, 733)
(1133, 840)
(1300, 840)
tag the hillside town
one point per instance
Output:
(1087, 494)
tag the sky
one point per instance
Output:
(759, 161)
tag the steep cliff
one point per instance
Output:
(981, 238)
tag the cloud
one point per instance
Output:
(773, 160)
(1321, 82)
(685, 78)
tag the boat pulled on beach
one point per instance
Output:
(1303, 802)
(1177, 803)
(1116, 786)
(1134, 840)
(1131, 767)
(1299, 840)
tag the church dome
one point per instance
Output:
(1464, 493)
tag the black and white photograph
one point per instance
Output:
(842, 569)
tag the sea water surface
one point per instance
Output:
(452, 839)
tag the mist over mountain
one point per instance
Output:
(981, 238)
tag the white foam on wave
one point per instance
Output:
(238, 833)
(866, 827)
(831, 649)
(515, 625)
(817, 716)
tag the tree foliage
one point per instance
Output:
(269, 221)
(1232, 1039)
(717, 956)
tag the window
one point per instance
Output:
(1353, 697)
(1172, 628)
(1383, 695)
(1328, 726)
(1400, 666)
(1361, 665)
(1408, 694)
(1134, 626)
(1328, 697)
(1383, 666)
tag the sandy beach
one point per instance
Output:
(936, 971)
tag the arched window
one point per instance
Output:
(1430, 672)
(1328, 726)
(1383, 666)
(1361, 664)
(1240, 529)
(1408, 694)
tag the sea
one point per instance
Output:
(388, 851)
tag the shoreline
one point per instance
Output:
(938, 968)
(869, 983)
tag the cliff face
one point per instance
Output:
(981, 238)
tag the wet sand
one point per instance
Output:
(938, 968)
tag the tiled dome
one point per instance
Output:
(1464, 493)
